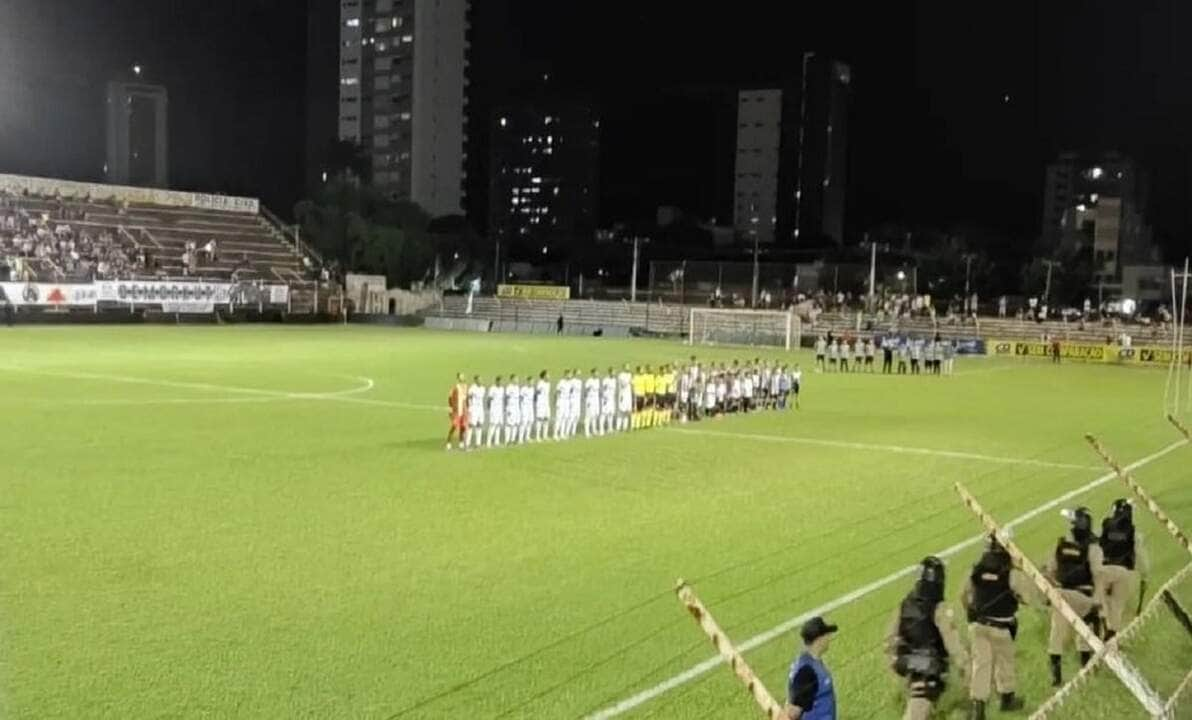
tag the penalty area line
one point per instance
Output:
(878, 447)
(777, 631)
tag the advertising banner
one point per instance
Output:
(1070, 351)
(534, 292)
(49, 294)
(1158, 357)
(279, 294)
(196, 307)
(152, 292)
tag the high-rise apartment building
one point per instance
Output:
(759, 131)
(543, 176)
(792, 158)
(1098, 201)
(402, 98)
(137, 135)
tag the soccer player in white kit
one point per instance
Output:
(608, 402)
(512, 410)
(475, 414)
(575, 403)
(562, 399)
(747, 392)
(624, 398)
(796, 382)
(834, 354)
(542, 407)
(710, 396)
(527, 410)
(591, 404)
(496, 412)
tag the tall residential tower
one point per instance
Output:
(402, 84)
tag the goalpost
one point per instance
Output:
(773, 328)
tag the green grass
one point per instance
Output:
(174, 549)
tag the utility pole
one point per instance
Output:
(637, 241)
(968, 266)
(872, 270)
(1047, 286)
(753, 301)
(497, 266)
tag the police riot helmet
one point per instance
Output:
(931, 579)
(1082, 523)
(1123, 510)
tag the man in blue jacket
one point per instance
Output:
(810, 692)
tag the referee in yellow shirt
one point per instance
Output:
(659, 396)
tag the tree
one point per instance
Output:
(365, 231)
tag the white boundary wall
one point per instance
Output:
(68, 189)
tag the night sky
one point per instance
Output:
(933, 139)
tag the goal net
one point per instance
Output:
(773, 328)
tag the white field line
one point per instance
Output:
(773, 633)
(259, 395)
(844, 444)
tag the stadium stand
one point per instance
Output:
(55, 239)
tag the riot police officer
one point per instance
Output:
(1125, 561)
(991, 596)
(1074, 569)
(922, 639)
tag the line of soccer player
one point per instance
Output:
(936, 357)
(512, 411)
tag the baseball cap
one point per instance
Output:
(816, 628)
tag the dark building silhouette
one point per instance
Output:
(813, 173)
(543, 177)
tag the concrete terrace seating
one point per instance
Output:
(246, 244)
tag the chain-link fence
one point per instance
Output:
(731, 284)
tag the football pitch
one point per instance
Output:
(261, 522)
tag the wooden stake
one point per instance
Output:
(1139, 491)
(724, 646)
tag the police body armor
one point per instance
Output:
(1117, 542)
(994, 603)
(921, 648)
(1072, 566)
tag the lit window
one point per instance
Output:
(536, 181)
(549, 119)
(405, 116)
(349, 81)
(381, 46)
(353, 22)
(504, 122)
(550, 139)
(407, 38)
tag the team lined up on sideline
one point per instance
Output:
(513, 411)
(935, 356)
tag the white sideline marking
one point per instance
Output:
(695, 671)
(887, 448)
(367, 384)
